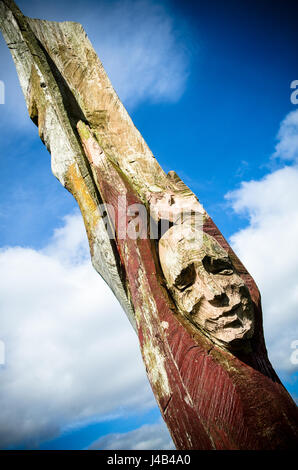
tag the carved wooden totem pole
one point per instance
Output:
(195, 308)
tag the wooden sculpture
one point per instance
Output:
(194, 306)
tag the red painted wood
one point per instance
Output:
(216, 400)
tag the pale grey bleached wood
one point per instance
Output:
(58, 133)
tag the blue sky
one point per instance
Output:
(208, 85)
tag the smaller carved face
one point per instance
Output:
(205, 285)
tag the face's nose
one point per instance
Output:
(219, 300)
(216, 293)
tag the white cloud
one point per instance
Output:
(268, 245)
(140, 50)
(71, 354)
(147, 437)
(287, 146)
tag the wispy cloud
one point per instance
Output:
(147, 437)
(139, 42)
(71, 354)
(142, 52)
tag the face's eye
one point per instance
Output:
(218, 265)
(186, 277)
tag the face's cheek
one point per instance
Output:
(247, 314)
(226, 292)
(240, 296)
(189, 300)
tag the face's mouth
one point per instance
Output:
(231, 310)
(233, 316)
(237, 317)
(225, 320)
(229, 313)
(232, 321)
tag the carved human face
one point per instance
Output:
(205, 285)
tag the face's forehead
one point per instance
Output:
(194, 247)
(182, 246)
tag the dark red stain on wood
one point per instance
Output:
(215, 400)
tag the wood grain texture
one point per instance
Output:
(211, 395)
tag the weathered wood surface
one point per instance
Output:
(198, 319)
